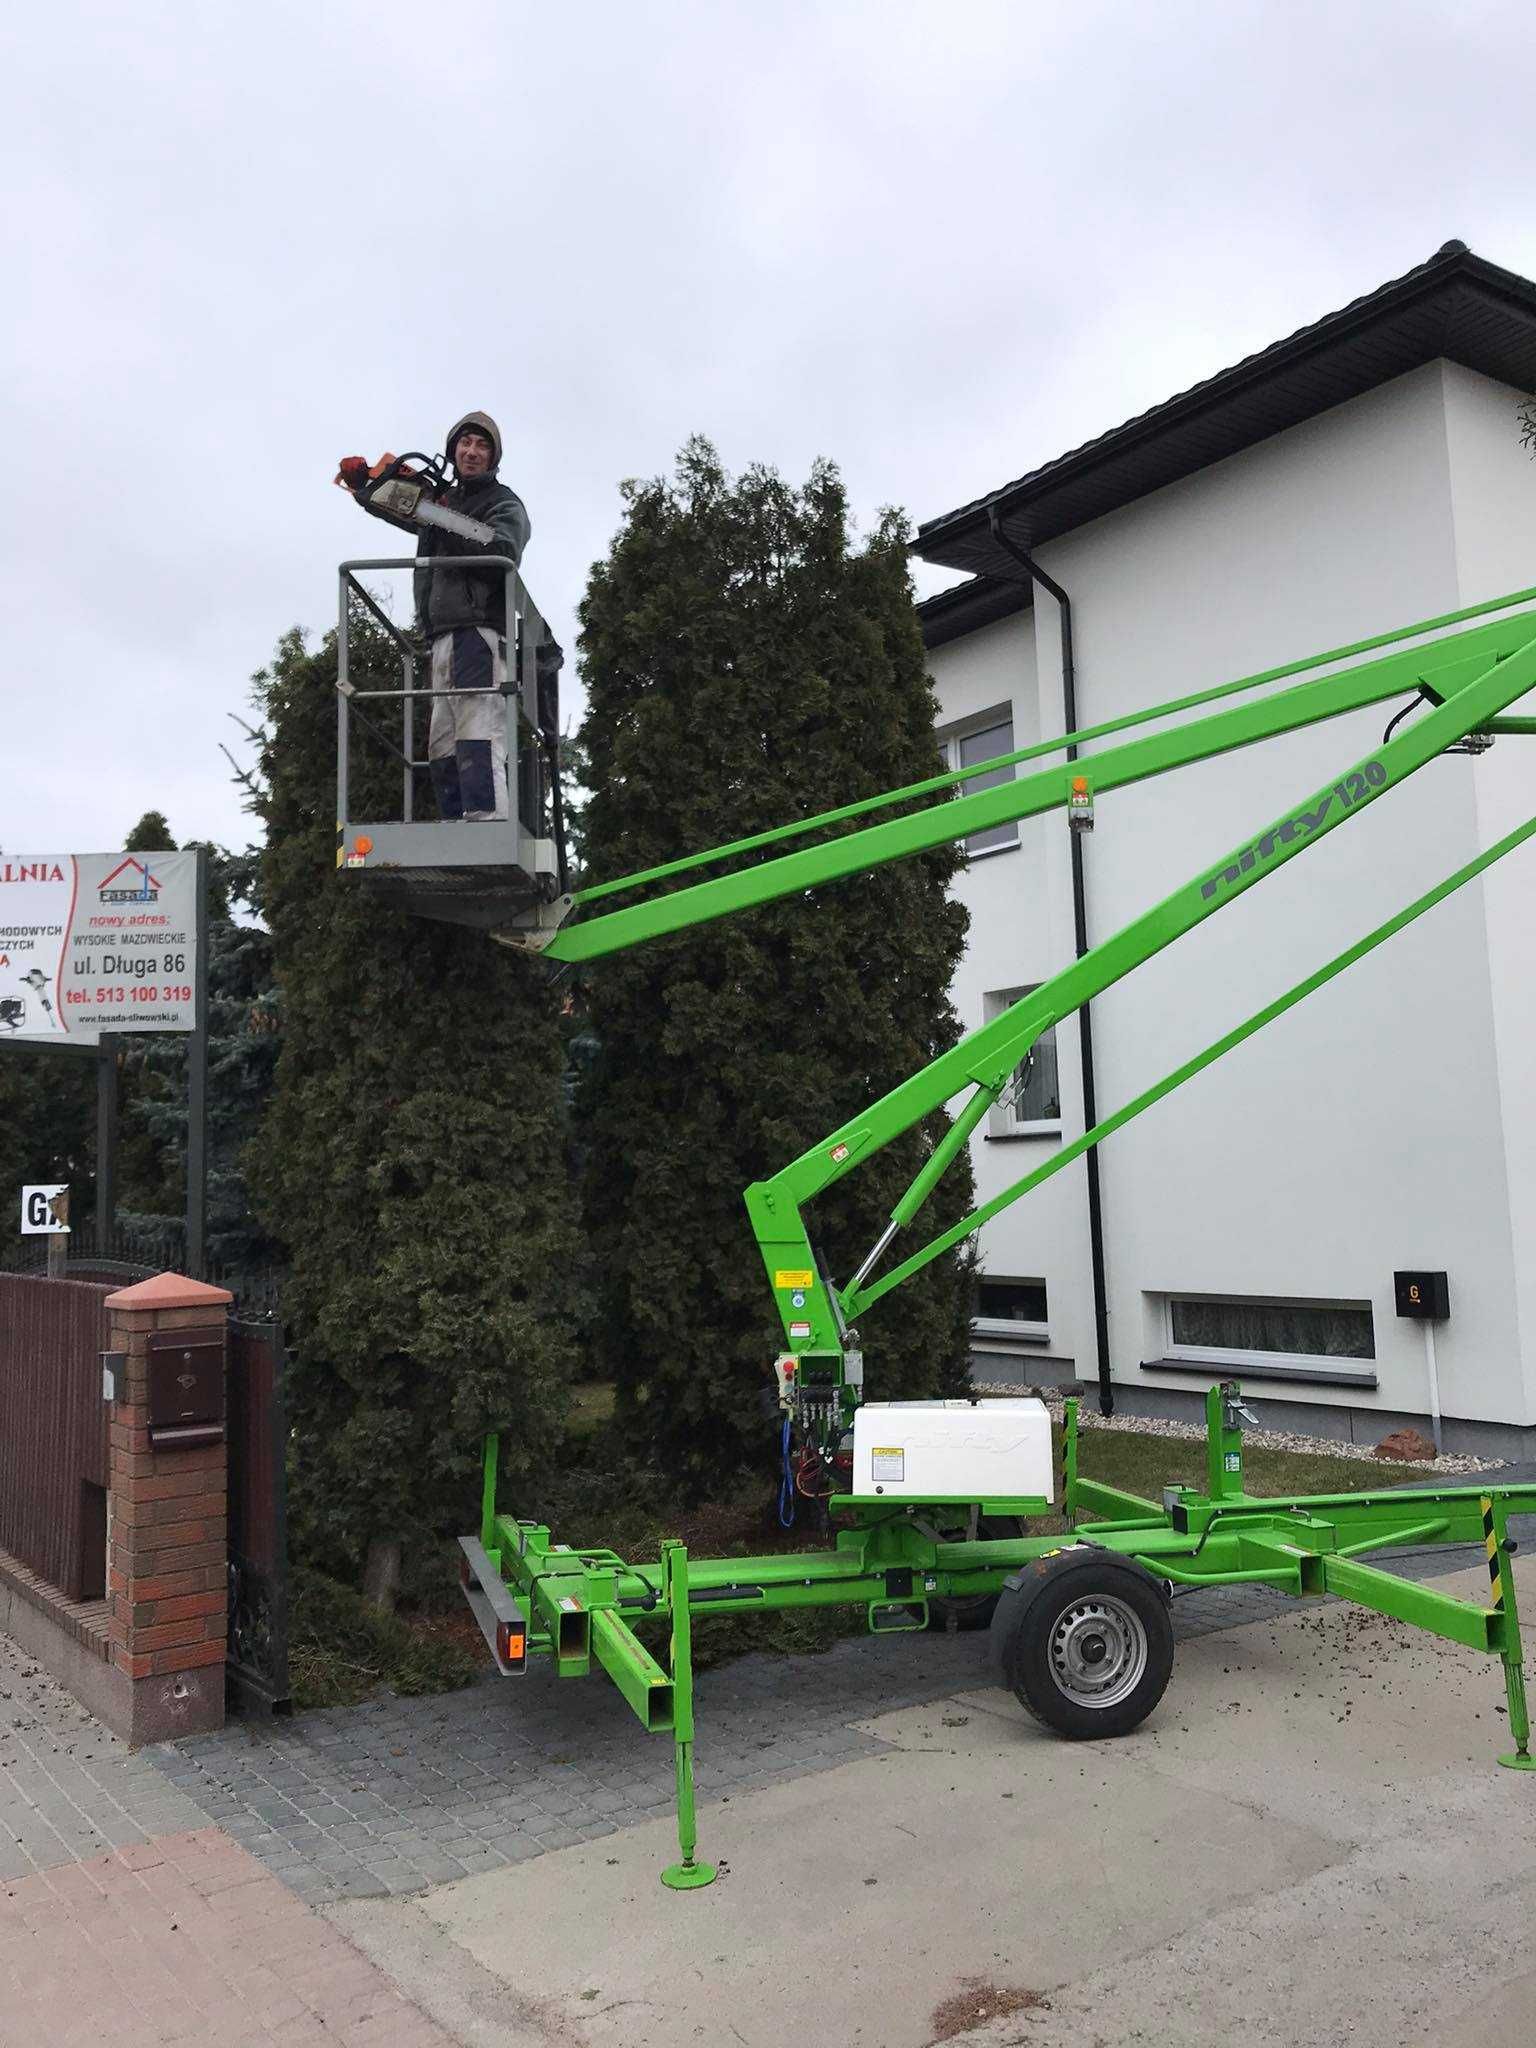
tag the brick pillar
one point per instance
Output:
(167, 1561)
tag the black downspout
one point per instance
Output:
(1080, 936)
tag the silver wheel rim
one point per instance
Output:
(1098, 1651)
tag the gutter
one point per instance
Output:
(1036, 574)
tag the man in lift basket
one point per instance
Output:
(462, 614)
(461, 611)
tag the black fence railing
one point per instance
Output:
(138, 1253)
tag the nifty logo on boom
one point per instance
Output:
(1353, 789)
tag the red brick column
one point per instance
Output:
(167, 1563)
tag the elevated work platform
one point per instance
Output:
(505, 876)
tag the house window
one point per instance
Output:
(982, 739)
(1011, 1311)
(1264, 1328)
(1030, 1105)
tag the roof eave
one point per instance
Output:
(961, 539)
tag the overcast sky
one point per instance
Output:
(939, 244)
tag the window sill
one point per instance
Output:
(1323, 1374)
(987, 852)
(1024, 1135)
(995, 1333)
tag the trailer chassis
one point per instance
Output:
(537, 1598)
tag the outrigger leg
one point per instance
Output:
(1502, 1583)
(687, 1875)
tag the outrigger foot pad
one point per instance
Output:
(687, 1876)
(1520, 1760)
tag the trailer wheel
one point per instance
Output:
(974, 1610)
(1083, 1641)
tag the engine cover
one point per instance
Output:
(952, 1450)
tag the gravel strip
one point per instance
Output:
(1263, 1439)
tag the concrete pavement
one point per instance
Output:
(1308, 1845)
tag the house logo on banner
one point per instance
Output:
(129, 882)
(93, 942)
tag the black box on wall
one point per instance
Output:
(1424, 1296)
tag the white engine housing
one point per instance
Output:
(952, 1450)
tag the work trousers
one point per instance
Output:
(467, 740)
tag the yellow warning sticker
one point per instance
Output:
(791, 1276)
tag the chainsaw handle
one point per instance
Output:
(362, 479)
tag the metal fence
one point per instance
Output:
(135, 1254)
(134, 1251)
(53, 1430)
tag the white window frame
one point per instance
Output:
(949, 738)
(996, 1330)
(1002, 1122)
(1302, 1361)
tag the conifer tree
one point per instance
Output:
(747, 664)
(411, 1158)
(151, 1098)
(47, 1132)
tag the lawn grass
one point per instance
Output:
(591, 1407)
(1140, 1463)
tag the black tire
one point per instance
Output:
(1083, 1641)
(973, 1610)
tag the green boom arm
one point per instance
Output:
(1468, 677)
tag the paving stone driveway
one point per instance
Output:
(68, 1789)
(401, 1794)
(395, 1796)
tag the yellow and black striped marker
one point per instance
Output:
(1495, 1555)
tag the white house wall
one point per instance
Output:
(1363, 1132)
(1493, 501)
(1017, 937)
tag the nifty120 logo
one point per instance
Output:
(1355, 788)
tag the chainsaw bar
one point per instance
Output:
(404, 500)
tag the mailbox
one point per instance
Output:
(186, 1386)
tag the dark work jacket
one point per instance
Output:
(471, 597)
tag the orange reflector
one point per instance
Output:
(1079, 788)
(512, 1643)
(362, 843)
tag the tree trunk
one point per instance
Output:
(381, 1574)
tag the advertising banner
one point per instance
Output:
(93, 942)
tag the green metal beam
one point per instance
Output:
(1110, 1504)
(633, 1669)
(1406, 1600)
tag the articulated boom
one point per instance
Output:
(1078, 1614)
(1465, 678)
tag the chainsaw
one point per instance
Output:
(405, 490)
